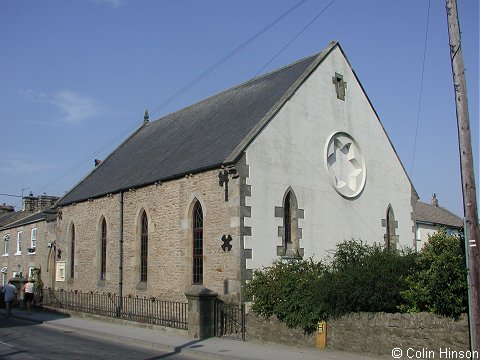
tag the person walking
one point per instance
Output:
(28, 290)
(9, 296)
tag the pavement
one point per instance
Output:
(172, 341)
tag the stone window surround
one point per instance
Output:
(197, 239)
(291, 249)
(33, 239)
(394, 225)
(6, 239)
(19, 243)
(71, 236)
(188, 236)
(100, 282)
(143, 209)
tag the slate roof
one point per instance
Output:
(199, 137)
(436, 215)
(10, 217)
(30, 219)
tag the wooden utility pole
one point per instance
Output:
(468, 177)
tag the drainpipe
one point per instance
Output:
(120, 253)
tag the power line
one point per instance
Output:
(18, 196)
(294, 38)
(421, 89)
(177, 94)
(225, 58)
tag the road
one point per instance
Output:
(22, 340)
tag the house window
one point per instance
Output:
(33, 241)
(4, 275)
(103, 256)
(30, 271)
(19, 243)
(72, 252)
(6, 238)
(198, 244)
(144, 248)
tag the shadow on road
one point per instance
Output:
(178, 350)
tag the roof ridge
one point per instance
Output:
(242, 84)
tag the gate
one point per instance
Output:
(230, 320)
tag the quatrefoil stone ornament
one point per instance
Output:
(345, 164)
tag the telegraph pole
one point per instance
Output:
(468, 177)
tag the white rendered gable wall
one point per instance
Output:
(289, 152)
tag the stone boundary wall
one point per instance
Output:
(374, 333)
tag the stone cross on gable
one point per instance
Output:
(340, 86)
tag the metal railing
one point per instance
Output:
(132, 307)
(230, 320)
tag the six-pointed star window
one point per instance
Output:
(345, 165)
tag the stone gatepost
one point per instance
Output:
(201, 312)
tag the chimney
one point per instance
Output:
(38, 203)
(6, 208)
(434, 200)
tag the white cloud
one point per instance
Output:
(20, 166)
(73, 106)
(113, 3)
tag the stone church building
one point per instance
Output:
(287, 164)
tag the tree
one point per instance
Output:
(440, 284)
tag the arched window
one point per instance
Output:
(391, 238)
(197, 244)
(287, 220)
(103, 251)
(144, 248)
(72, 252)
(290, 232)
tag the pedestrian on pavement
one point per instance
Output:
(28, 290)
(9, 296)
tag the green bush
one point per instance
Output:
(357, 277)
(360, 277)
(440, 283)
(367, 278)
(285, 290)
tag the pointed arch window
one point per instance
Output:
(391, 225)
(144, 248)
(103, 251)
(197, 244)
(290, 232)
(287, 220)
(72, 252)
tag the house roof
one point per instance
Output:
(199, 137)
(30, 219)
(435, 215)
(11, 217)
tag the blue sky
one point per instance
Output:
(77, 75)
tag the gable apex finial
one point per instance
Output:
(145, 116)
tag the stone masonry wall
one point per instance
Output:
(168, 207)
(26, 260)
(376, 333)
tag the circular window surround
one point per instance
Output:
(345, 164)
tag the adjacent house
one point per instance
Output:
(285, 165)
(430, 217)
(25, 237)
